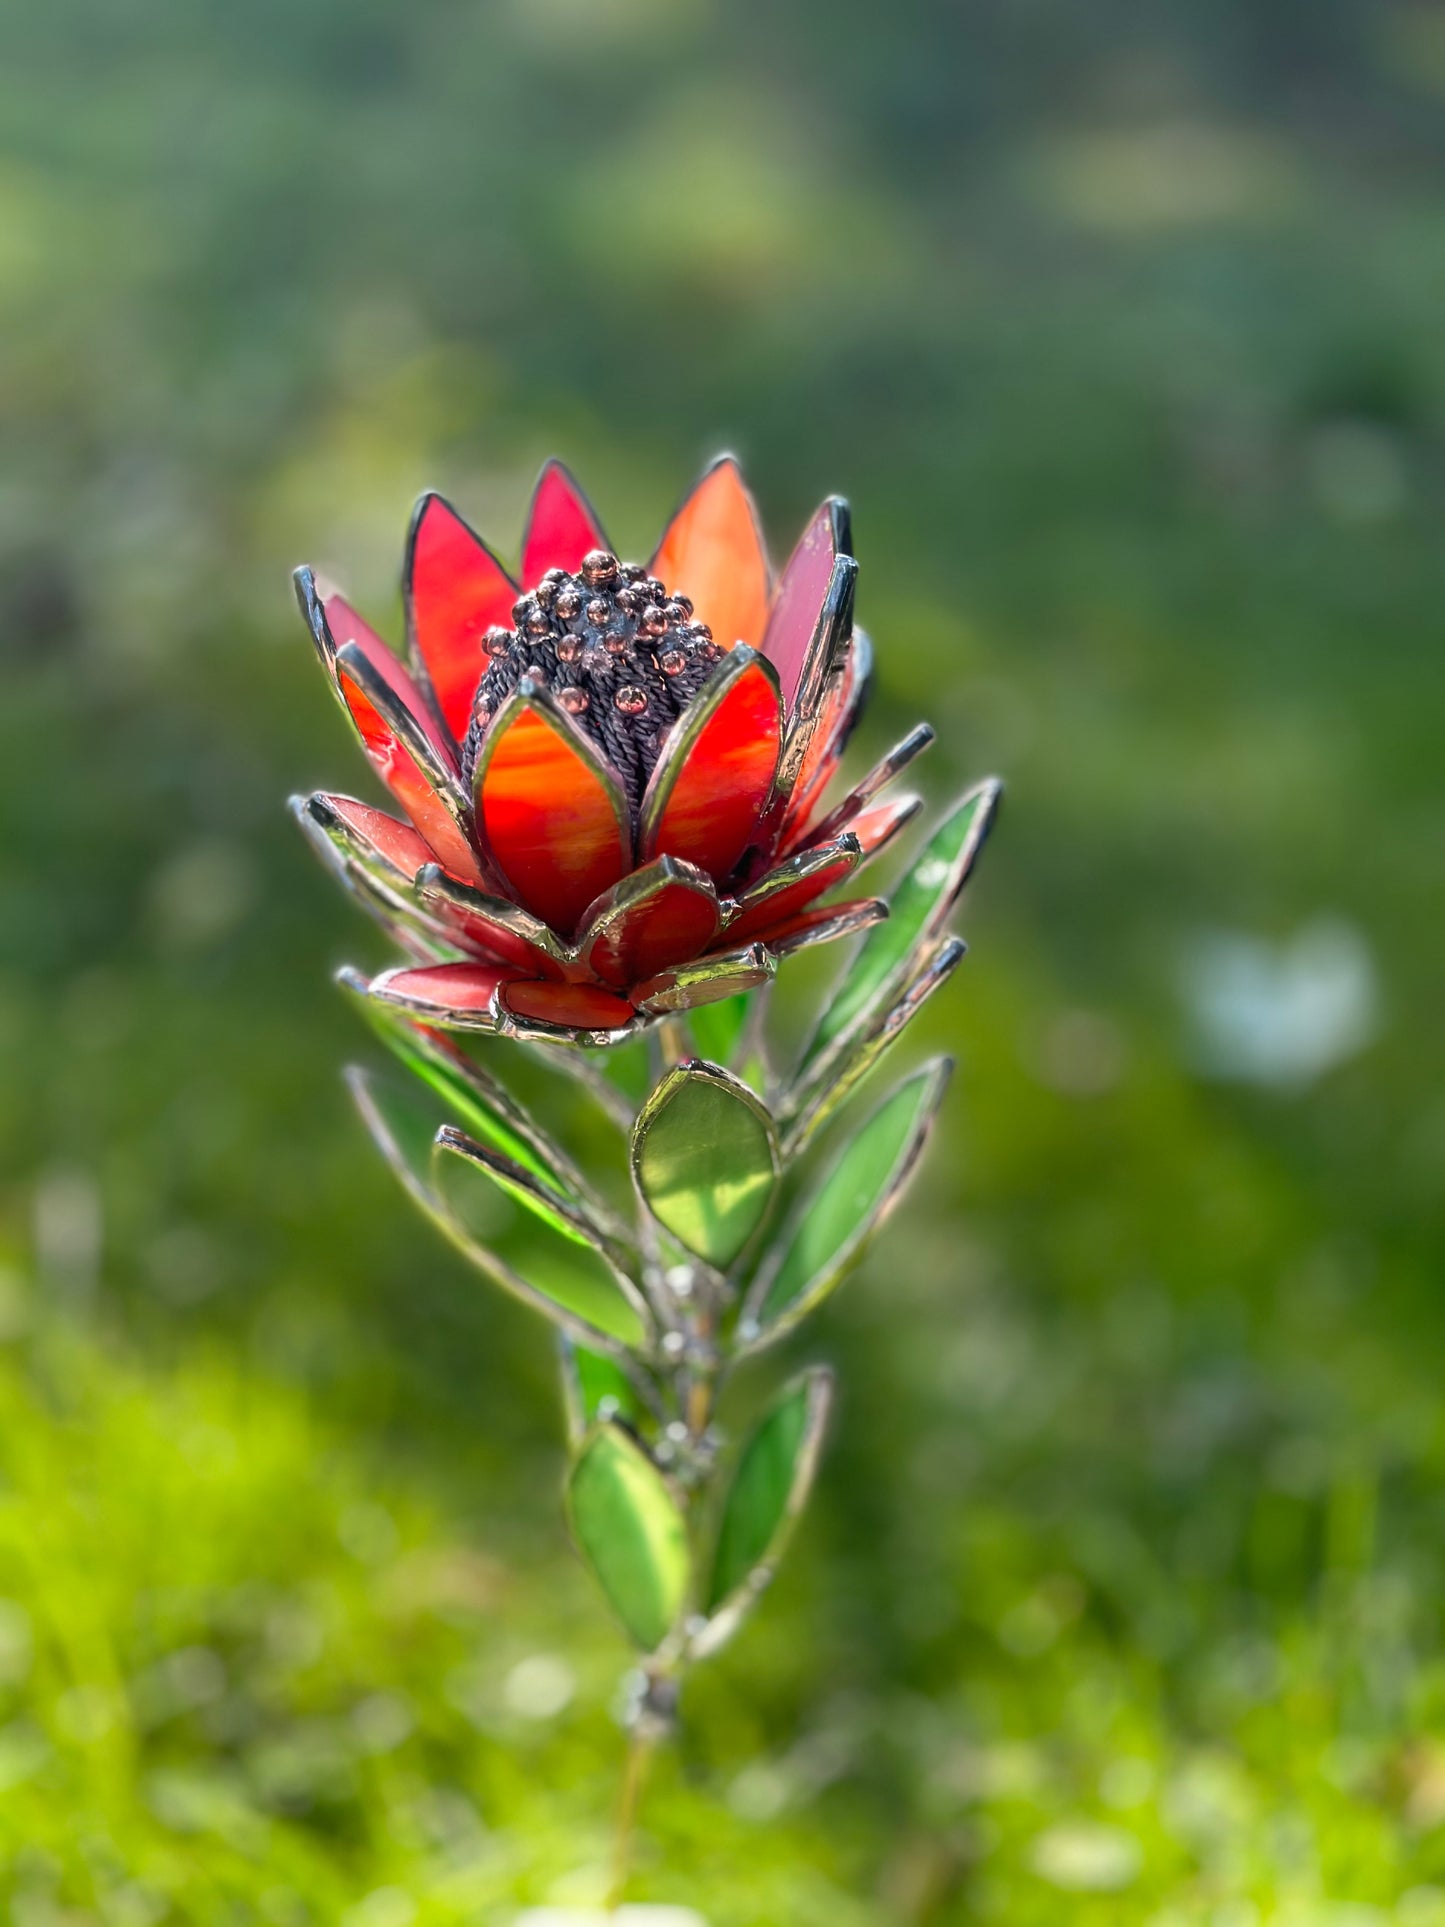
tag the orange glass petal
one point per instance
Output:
(716, 772)
(553, 822)
(561, 526)
(713, 552)
(347, 626)
(573, 1006)
(407, 781)
(455, 590)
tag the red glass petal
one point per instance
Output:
(878, 778)
(552, 814)
(347, 626)
(561, 526)
(491, 925)
(801, 592)
(824, 925)
(377, 879)
(396, 844)
(566, 1006)
(842, 705)
(716, 769)
(455, 590)
(825, 654)
(454, 996)
(793, 886)
(660, 915)
(713, 552)
(876, 828)
(400, 753)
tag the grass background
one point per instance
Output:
(1121, 1601)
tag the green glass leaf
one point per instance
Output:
(577, 1290)
(716, 1028)
(817, 1099)
(770, 1489)
(596, 1387)
(830, 1230)
(918, 910)
(705, 1156)
(472, 1096)
(535, 1195)
(630, 1530)
(572, 1268)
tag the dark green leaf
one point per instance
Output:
(818, 1099)
(919, 908)
(573, 1268)
(631, 1532)
(830, 1230)
(769, 1489)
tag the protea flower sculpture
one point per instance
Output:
(617, 822)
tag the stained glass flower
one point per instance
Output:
(611, 775)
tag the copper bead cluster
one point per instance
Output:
(620, 653)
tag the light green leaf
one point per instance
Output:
(631, 1532)
(535, 1195)
(705, 1157)
(574, 1288)
(573, 1267)
(765, 1500)
(918, 910)
(472, 1096)
(836, 1219)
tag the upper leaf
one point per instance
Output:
(836, 1219)
(705, 1156)
(918, 910)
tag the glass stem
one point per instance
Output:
(634, 1774)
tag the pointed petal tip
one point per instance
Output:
(713, 551)
(841, 516)
(561, 526)
(453, 588)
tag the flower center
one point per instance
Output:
(619, 653)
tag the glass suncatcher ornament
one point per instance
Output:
(616, 784)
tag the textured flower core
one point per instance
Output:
(617, 650)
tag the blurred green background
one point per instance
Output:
(1121, 326)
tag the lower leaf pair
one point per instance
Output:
(672, 1594)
